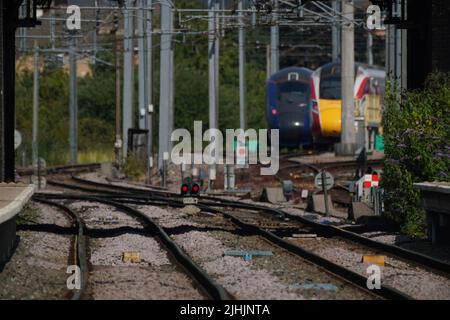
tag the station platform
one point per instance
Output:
(13, 197)
(436, 202)
(329, 158)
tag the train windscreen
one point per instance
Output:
(292, 95)
(330, 88)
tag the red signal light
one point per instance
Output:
(184, 189)
(195, 188)
(274, 112)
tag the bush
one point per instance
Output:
(417, 135)
(95, 134)
(134, 168)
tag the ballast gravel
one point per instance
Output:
(100, 216)
(141, 283)
(109, 251)
(168, 217)
(412, 280)
(234, 273)
(37, 270)
(50, 215)
(154, 276)
(441, 252)
(241, 278)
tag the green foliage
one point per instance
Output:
(417, 135)
(256, 97)
(95, 133)
(191, 85)
(27, 215)
(96, 94)
(53, 123)
(133, 167)
(96, 113)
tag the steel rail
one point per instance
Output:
(62, 169)
(124, 188)
(328, 266)
(406, 255)
(209, 285)
(80, 188)
(80, 243)
(323, 264)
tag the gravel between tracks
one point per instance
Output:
(168, 218)
(415, 281)
(50, 215)
(273, 279)
(109, 251)
(37, 269)
(141, 283)
(235, 274)
(153, 277)
(441, 252)
(101, 216)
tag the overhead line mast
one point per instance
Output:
(347, 145)
(128, 75)
(165, 99)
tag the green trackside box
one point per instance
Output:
(379, 143)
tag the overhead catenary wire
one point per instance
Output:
(192, 22)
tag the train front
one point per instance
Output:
(326, 103)
(288, 102)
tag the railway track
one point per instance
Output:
(408, 263)
(248, 230)
(241, 211)
(204, 281)
(332, 231)
(335, 269)
(79, 252)
(210, 204)
(75, 168)
(327, 230)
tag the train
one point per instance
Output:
(288, 106)
(305, 105)
(326, 101)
